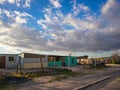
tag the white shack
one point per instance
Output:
(30, 60)
(8, 60)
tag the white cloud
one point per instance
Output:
(41, 24)
(22, 14)
(8, 14)
(47, 19)
(55, 3)
(20, 20)
(111, 14)
(16, 16)
(18, 37)
(65, 32)
(18, 3)
(11, 1)
(86, 34)
(2, 1)
(83, 7)
(77, 8)
(80, 24)
(107, 6)
(27, 3)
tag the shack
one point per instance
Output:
(30, 60)
(61, 61)
(8, 60)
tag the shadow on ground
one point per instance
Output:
(12, 82)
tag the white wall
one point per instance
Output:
(85, 61)
(9, 64)
(35, 62)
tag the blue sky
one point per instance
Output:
(83, 27)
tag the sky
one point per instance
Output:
(80, 27)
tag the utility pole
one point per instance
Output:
(69, 59)
(95, 61)
(41, 65)
(54, 61)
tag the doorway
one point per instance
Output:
(2, 61)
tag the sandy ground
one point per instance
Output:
(44, 83)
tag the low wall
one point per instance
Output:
(56, 64)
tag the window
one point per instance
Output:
(11, 58)
(50, 58)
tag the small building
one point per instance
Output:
(82, 59)
(30, 60)
(55, 60)
(85, 61)
(8, 60)
(61, 61)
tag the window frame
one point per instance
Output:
(11, 58)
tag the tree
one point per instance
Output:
(116, 58)
(18, 67)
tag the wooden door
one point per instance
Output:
(2, 61)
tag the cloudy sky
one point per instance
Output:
(60, 26)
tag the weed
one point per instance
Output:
(99, 67)
(58, 78)
(50, 81)
(7, 85)
(59, 73)
(11, 82)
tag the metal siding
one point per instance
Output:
(34, 62)
(34, 65)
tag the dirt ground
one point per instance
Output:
(44, 82)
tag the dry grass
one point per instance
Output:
(11, 82)
(4, 85)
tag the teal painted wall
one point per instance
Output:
(51, 63)
(73, 62)
(57, 64)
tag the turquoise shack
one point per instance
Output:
(61, 61)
